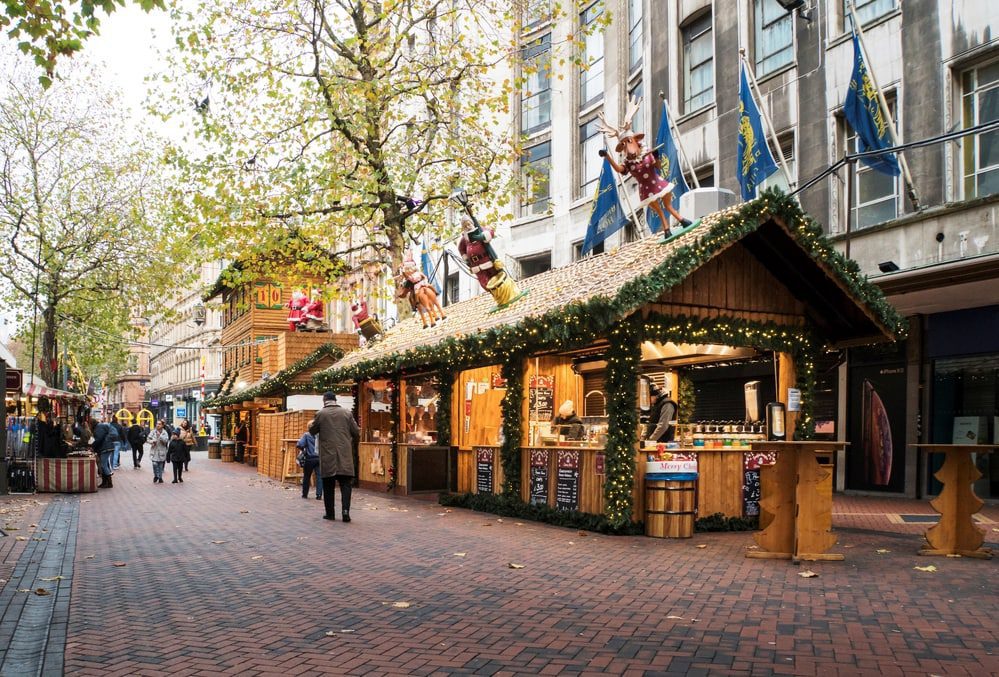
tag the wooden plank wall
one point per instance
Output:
(719, 483)
(366, 453)
(733, 283)
(486, 416)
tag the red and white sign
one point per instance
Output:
(674, 466)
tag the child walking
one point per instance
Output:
(177, 454)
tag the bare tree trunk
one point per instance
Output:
(48, 360)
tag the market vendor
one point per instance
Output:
(567, 423)
(664, 409)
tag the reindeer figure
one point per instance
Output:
(422, 296)
(643, 165)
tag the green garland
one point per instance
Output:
(513, 507)
(623, 358)
(512, 411)
(282, 379)
(445, 390)
(394, 395)
(594, 318)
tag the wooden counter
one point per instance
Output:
(956, 533)
(375, 475)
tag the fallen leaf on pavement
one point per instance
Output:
(24, 589)
(21, 538)
(330, 633)
(953, 554)
(808, 574)
(487, 524)
(752, 547)
(90, 557)
(51, 578)
(257, 557)
(244, 512)
(676, 618)
(582, 533)
(401, 605)
(219, 542)
(882, 551)
(460, 554)
(929, 568)
(41, 592)
(500, 519)
(118, 564)
(515, 566)
(701, 546)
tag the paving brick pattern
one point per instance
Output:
(233, 574)
(34, 602)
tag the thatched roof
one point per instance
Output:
(839, 301)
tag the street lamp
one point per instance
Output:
(200, 314)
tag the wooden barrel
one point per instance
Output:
(228, 451)
(214, 449)
(669, 508)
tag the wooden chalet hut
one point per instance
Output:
(467, 406)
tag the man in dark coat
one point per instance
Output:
(136, 438)
(337, 438)
(661, 428)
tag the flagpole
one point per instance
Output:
(906, 176)
(676, 139)
(766, 118)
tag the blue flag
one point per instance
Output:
(607, 217)
(755, 163)
(428, 268)
(669, 157)
(863, 112)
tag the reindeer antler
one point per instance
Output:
(607, 128)
(630, 111)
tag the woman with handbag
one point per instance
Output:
(187, 437)
(308, 458)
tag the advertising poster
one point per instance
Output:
(875, 459)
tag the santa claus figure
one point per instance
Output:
(368, 325)
(313, 311)
(296, 308)
(474, 247)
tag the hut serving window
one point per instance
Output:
(420, 411)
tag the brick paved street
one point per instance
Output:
(231, 573)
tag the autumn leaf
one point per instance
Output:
(883, 551)
(929, 568)
(808, 574)
(219, 542)
(256, 557)
(459, 554)
(42, 592)
(21, 538)
(401, 605)
(515, 566)
(701, 546)
(51, 578)
(244, 512)
(118, 564)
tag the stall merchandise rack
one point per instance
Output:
(20, 453)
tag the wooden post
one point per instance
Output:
(787, 377)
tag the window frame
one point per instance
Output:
(589, 74)
(864, 7)
(971, 145)
(531, 18)
(705, 97)
(588, 131)
(538, 52)
(529, 163)
(760, 29)
(530, 258)
(636, 25)
(860, 171)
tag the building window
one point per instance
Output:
(773, 36)
(638, 122)
(874, 195)
(698, 64)
(705, 177)
(980, 153)
(577, 250)
(536, 94)
(535, 265)
(535, 167)
(451, 289)
(867, 10)
(591, 74)
(777, 179)
(537, 12)
(636, 10)
(590, 143)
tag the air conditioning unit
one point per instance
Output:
(699, 202)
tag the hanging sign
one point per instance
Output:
(15, 379)
(793, 399)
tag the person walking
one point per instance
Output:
(242, 436)
(121, 433)
(337, 438)
(308, 458)
(187, 437)
(103, 446)
(159, 439)
(136, 438)
(177, 454)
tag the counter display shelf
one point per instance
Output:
(76, 474)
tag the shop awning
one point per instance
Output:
(37, 390)
(599, 291)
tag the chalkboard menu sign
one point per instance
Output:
(567, 481)
(541, 398)
(539, 476)
(751, 493)
(484, 470)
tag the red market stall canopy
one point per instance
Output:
(38, 390)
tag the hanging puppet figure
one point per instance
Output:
(642, 165)
(413, 283)
(478, 253)
(368, 325)
(296, 307)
